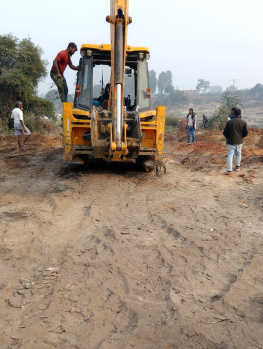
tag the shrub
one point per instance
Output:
(219, 119)
(171, 123)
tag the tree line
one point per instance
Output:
(21, 70)
(163, 91)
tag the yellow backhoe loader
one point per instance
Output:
(114, 122)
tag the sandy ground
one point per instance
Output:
(111, 258)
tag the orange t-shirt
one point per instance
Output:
(63, 60)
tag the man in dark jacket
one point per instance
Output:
(235, 130)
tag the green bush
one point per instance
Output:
(40, 107)
(169, 129)
(35, 123)
(219, 119)
(172, 121)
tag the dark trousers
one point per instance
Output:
(61, 85)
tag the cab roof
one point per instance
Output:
(107, 47)
(102, 54)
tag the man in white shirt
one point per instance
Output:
(19, 126)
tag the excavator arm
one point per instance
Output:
(119, 21)
(125, 125)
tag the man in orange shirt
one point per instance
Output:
(59, 65)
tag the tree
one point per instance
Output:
(176, 96)
(215, 89)
(152, 81)
(202, 86)
(231, 88)
(21, 69)
(165, 84)
(52, 95)
(39, 107)
(257, 91)
(219, 118)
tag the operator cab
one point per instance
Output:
(95, 70)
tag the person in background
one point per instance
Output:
(205, 122)
(104, 99)
(191, 126)
(19, 126)
(232, 114)
(59, 65)
(235, 130)
(179, 123)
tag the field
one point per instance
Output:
(253, 115)
(106, 257)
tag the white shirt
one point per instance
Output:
(17, 115)
(190, 120)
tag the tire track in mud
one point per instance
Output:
(126, 291)
(118, 270)
(37, 245)
(207, 266)
(98, 250)
(146, 291)
(24, 219)
(129, 259)
(187, 305)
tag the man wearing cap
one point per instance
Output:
(59, 65)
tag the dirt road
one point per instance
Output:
(111, 258)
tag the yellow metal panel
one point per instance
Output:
(147, 113)
(80, 112)
(77, 136)
(67, 117)
(107, 47)
(102, 47)
(160, 118)
(149, 138)
(82, 125)
(145, 128)
(73, 133)
(123, 4)
(137, 49)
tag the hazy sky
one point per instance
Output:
(207, 39)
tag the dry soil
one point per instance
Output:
(106, 257)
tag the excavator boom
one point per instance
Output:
(120, 122)
(119, 21)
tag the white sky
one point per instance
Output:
(218, 41)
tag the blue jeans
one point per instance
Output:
(190, 129)
(233, 150)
